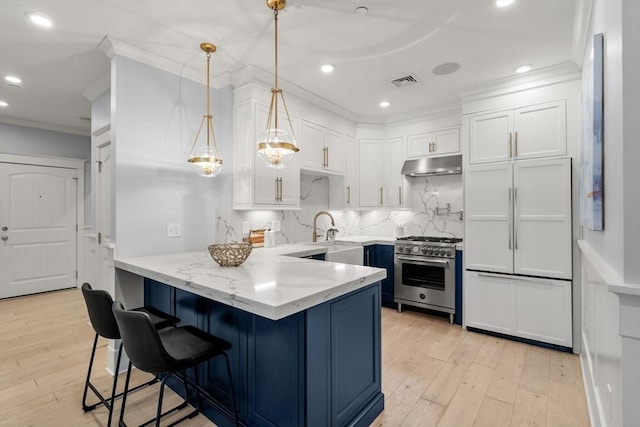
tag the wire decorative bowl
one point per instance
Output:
(230, 254)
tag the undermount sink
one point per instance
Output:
(343, 253)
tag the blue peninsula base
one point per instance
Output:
(318, 367)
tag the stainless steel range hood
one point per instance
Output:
(430, 166)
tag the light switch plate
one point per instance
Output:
(174, 229)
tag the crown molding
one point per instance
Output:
(112, 46)
(254, 74)
(563, 72)
(454, 107)
(581, 23)
(44, 126)
(98, 87)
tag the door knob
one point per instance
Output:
(5, 237)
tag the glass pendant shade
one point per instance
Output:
(276, 146)
(205, 158)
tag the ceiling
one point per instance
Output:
(61, 65)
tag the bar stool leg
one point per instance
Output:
(124, 397)
(85, 407)
(115, 383)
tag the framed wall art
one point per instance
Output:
(592, 149)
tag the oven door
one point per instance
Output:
(426, 281)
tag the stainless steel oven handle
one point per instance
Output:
(423, 261)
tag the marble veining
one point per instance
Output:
(420, 217)
(273, 283)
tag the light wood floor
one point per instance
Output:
(433, 374)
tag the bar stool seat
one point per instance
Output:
(99, 304)
(168, 352)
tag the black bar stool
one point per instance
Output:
(168, 352)
(104, 324)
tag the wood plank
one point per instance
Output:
(529, 410)
(563, 368)
(564, 407)
(535, 371)
(465, 405)
(494, 413)
(424, 414)
(490, 351)
(506, 377)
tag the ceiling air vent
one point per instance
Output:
(405, 81)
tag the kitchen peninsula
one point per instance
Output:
(305, 333)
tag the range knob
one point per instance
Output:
(447, 252)
(415, 249)
(430, 251)
(424, 250)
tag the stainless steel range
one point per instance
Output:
(425, 273)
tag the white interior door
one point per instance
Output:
(103, 213)
(38, 229)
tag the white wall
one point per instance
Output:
(28, 141)
(612, 256)
(155, 116)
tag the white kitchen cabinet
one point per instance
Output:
(523, 133)
(255, 185)
(518, 218)
(444, 141)
(393, 178)
(322, 149)
(532, 308)
(371, 157)
(380, 182)
(351, 173)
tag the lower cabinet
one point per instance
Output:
(319, 367)
(526, 307)
(381, 256)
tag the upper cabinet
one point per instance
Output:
(444, 141)
(381, 184)
(322, 149)
(255, 185)
(351, 174)
(528, 132)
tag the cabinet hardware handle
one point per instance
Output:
(495, 277)
(515, 216)
(348, 194)
(400, 194)
(368, 261)
(431, 147)
(381, 198)
(276, 181)
(510, 213)
(327, 161)
(5, 238)
(435, 146)
(510, 145)
(516, 139)
(281, 192)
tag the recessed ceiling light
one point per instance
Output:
(4, 104)
(384, 104)
(327, 68)
(523, 68)
(361, 11)
(504, 3)
(13, 79)
(39, 19)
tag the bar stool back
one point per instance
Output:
(99, 304)
(168, 352)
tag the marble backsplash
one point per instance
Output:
(426, 195)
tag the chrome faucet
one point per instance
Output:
(333, 223)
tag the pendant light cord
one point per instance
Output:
(209, 118)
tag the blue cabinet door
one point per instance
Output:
(384, 259)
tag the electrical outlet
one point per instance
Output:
(174, 229)
(276, 225)
(245, 227)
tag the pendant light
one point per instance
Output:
(205, 158)
(275, 146)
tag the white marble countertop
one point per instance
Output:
(272, 282)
